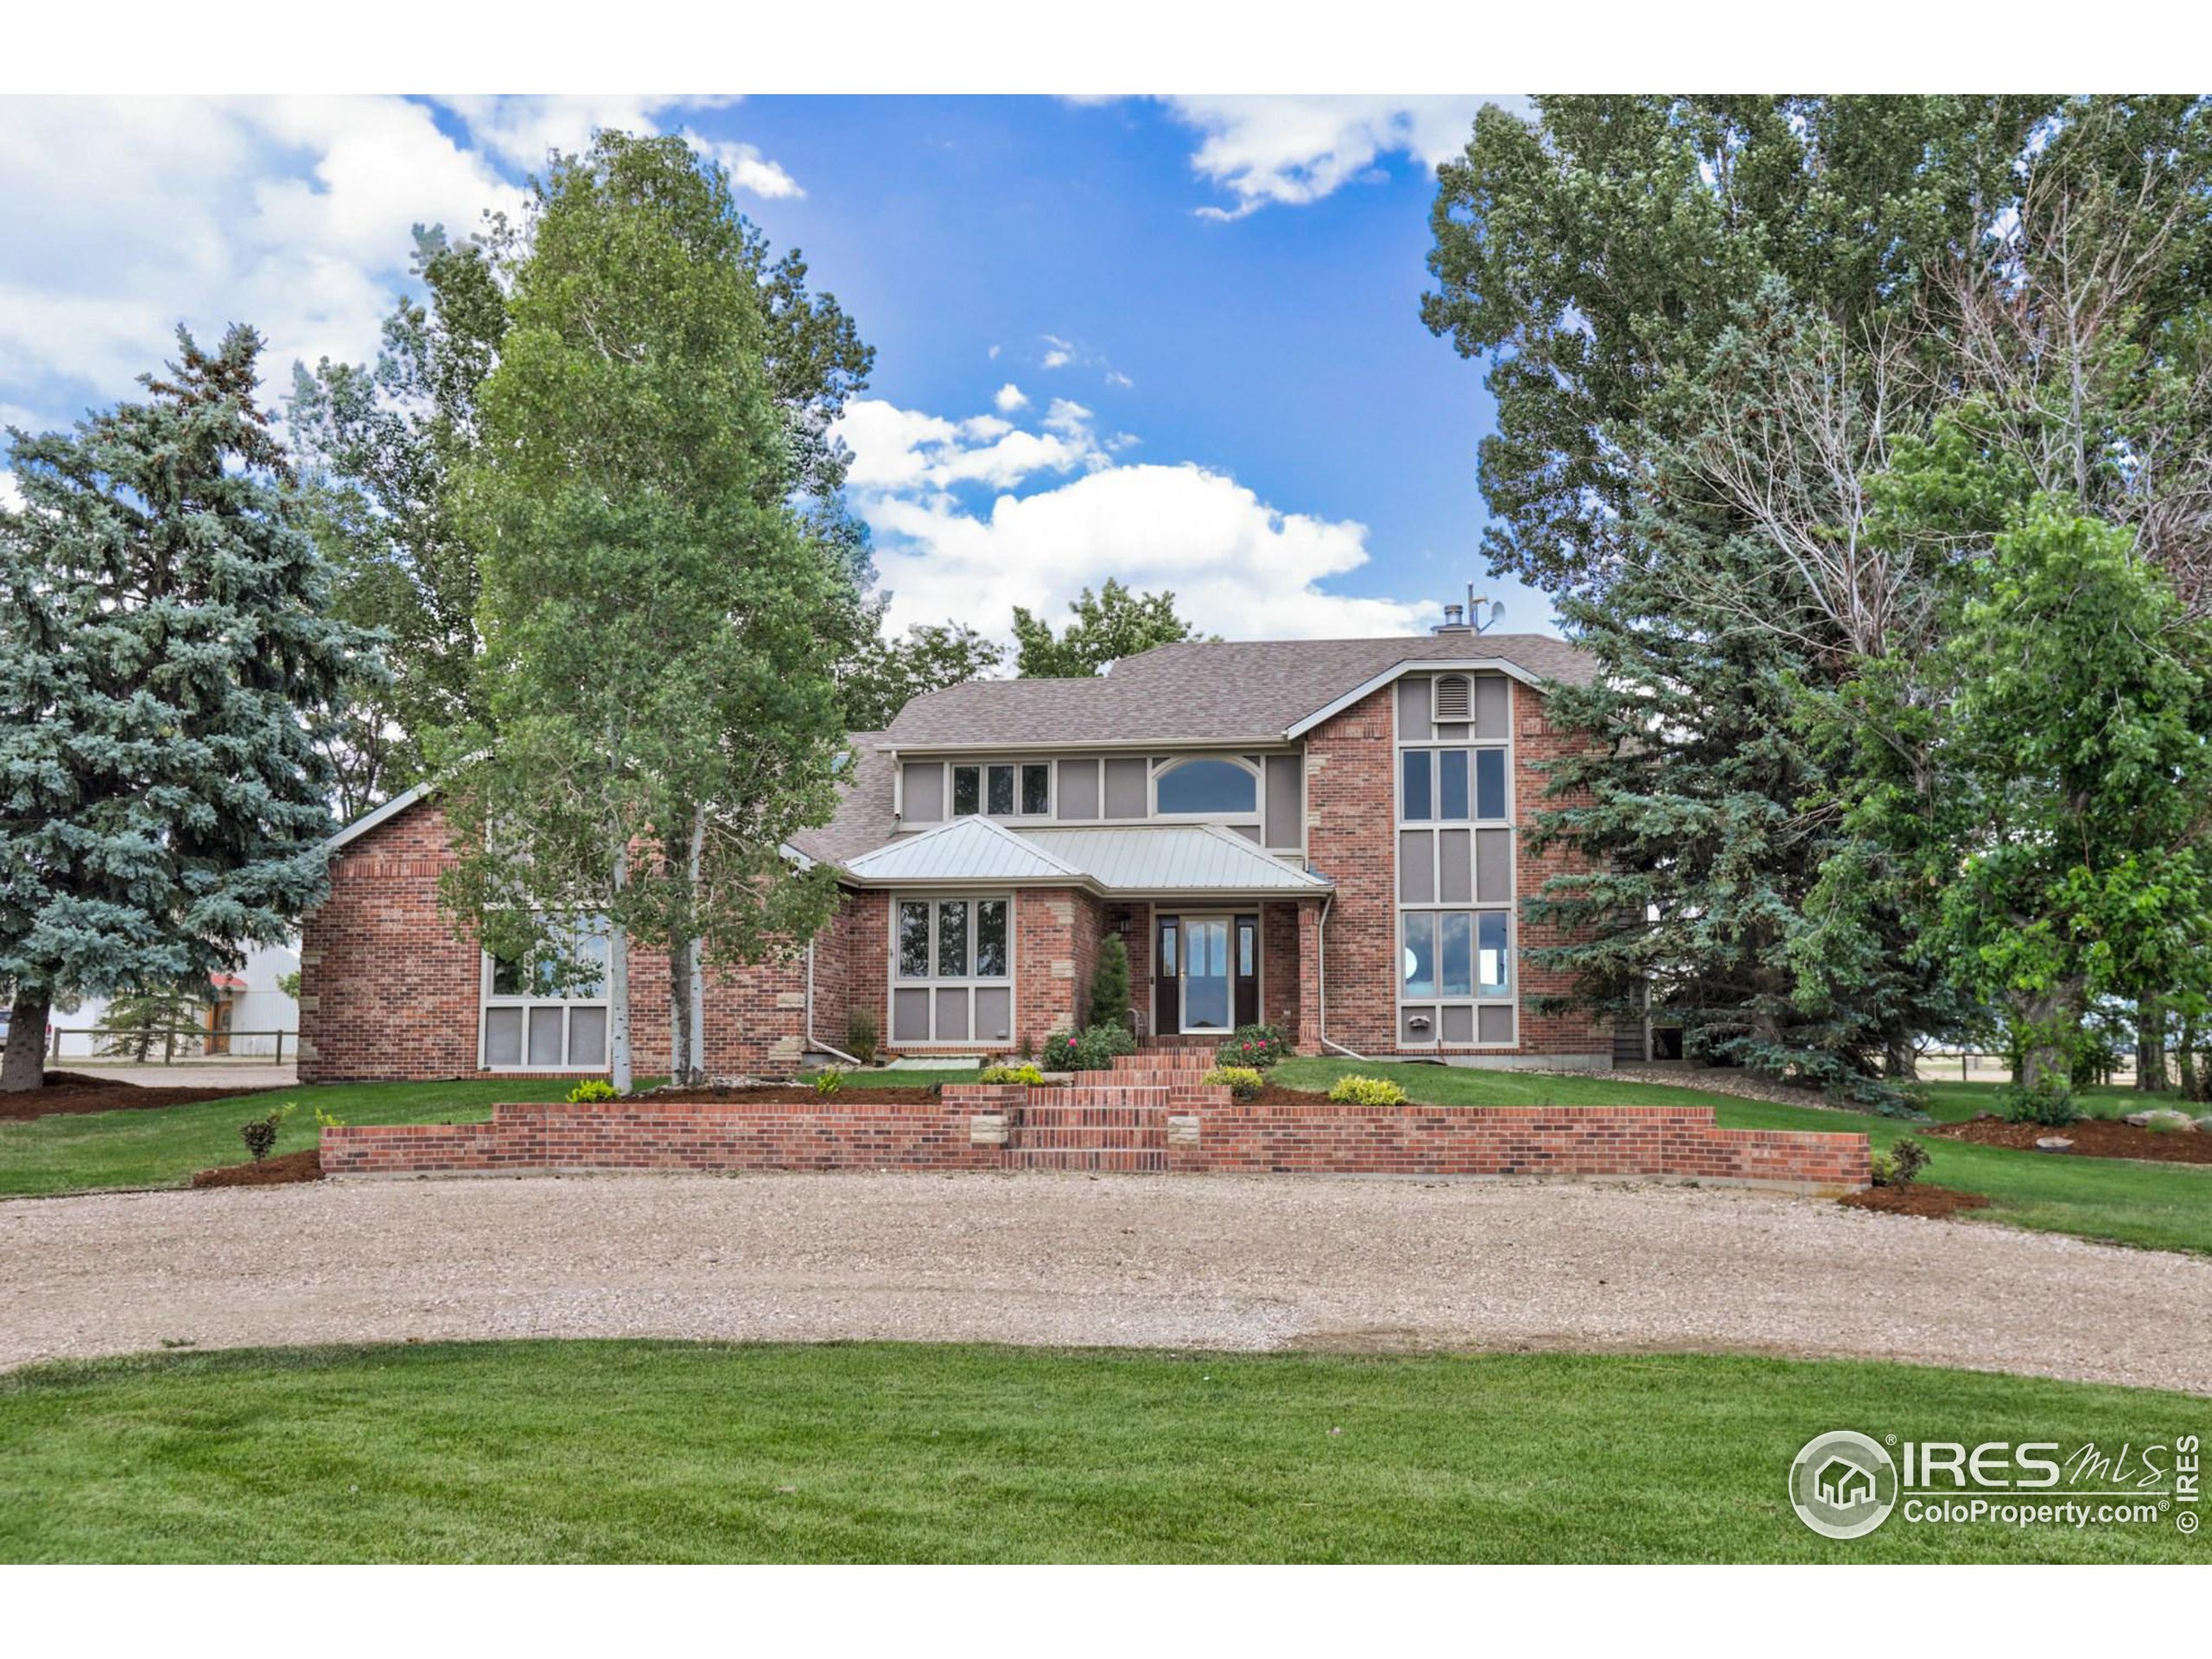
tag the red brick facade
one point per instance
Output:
(1351, 838)
(390, 992)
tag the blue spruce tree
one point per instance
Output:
(167, 664)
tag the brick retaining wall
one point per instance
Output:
(1675, 1142)
(538, 1136)
(1127, 1120)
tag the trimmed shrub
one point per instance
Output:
(591, 1089)
(1901, 1165)
(860, 1034)
(1110, 984)
(1257, 1046)
(1367, 1091)
(2051, 1104)
(1028, 1074)
(259, 1134)
(1091, 1049)
(1245, 1082)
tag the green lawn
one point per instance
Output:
(2163, 1206)
(162, 1146)
(617, 1452)
(2160, 1206)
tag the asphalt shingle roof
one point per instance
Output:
(1203, 691)
(1195, 692)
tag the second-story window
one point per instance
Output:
(1003, 790)
(1453, 784)
(1207, 789)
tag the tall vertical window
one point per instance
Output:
(1454, 847)
(1416, 806)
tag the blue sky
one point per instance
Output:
(1175, 341)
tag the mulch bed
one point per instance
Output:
(1918, 1200)
(70, 1092)
(2092, 1137)
(283, 1168)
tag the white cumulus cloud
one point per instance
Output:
(1238, 566)
(1010, 396)
(130, 214)
(1297, 150)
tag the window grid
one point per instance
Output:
(951, 961)
(529, 1020)
(1442, 785)
(1001, 788)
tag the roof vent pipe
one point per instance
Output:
(1454, 620)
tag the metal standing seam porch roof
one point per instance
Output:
(1125, 860)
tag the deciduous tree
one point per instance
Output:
(660, 625)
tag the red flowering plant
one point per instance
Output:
(1257, 1046)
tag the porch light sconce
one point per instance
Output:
(1124, 924)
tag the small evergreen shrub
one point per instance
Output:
(860, 1034)
(1091, 1049)
(1367, 1091)
(1901, 1165)
(259, 1134)
(829, 1080)
(1245, 1082)
(1257, 1046)
(2048, 1104)
(1028, 1074)
(590, 1089)
(1110, 984)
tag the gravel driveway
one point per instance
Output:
(1035, 1258)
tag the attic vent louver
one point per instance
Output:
(1454, 695)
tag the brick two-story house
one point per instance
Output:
(1318, 834)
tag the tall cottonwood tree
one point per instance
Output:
(1707, 321)
(660, 624)
(382, 445)
(165, 653)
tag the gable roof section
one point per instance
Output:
(1122, 860)
(1174, 858)
(964, 849)
(1208, 691)
(368, 820)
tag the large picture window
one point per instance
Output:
(548, 1012)
(952, 970)
(1456, 953)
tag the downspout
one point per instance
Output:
(812, 1041)
(1321, 980)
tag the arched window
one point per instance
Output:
(1208, 788)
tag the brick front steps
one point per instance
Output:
(1150, 1114)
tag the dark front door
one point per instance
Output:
(1206, 973)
